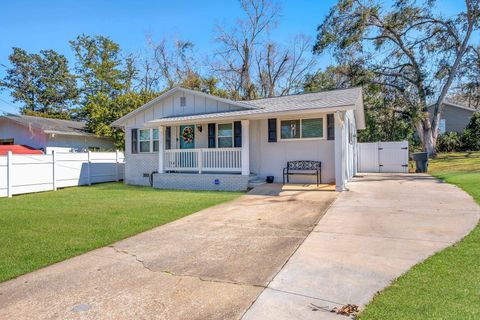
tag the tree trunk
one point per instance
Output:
(425, 133)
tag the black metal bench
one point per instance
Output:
(300, 167)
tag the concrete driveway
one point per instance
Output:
(210, 265)
(372, 234)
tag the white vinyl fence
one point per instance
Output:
(383, 157)
(25, 173)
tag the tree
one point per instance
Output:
(102, 110)
(238, 45)
(41, 82)
(280, 70)
(410, 47)
(101, 68)
(468, 89)
(385, 117)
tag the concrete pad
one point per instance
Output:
(371, 235)
(280, 305)
(209, 265)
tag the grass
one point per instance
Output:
(39, 229)
(447, 285)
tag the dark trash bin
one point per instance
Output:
(421, 161)
(270, 179)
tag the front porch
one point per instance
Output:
(226, 160)
(205, 148)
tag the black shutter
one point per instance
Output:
(330, 127)
(237, 134)
(211, 135)
(134, 133)
(272, 130)
(168, 138)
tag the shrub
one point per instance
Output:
(448, 142)
(470, 139)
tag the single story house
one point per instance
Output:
(186, 139)
(50, 134)
(454, 117)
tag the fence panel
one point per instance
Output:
(33, 173)
(3, 177)
(383, 157)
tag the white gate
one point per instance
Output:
(383, 157)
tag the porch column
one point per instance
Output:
(339, 151)
(161, 148)
(245, 147)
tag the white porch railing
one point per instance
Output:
(214, 160)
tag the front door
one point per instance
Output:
(187, 137)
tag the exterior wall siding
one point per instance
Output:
(226, 182)
(269, 158)
(64, 143)
(37, 139)
(34, 138)
(139, 164)
(456, 119)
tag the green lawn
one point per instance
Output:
(447, 285)
(43, 228)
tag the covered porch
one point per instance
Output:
(205, 148)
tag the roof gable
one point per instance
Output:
(176, 90)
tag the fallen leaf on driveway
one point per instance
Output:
(346, 310)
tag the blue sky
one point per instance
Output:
(50, 24)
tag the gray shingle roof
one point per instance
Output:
(307, 101)
(48, 125)
(315, 100)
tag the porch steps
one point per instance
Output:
(255, 181)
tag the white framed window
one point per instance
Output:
(155, 139)
(442, 126)
(308, 128)
(144, 140)
(225, 135)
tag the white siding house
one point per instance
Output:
(192, 140)
(50, 134)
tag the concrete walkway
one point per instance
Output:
(372, 234)
(210, 265)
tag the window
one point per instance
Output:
(225, 135)
(301, 128)
(145, 140)
(442, 126)
(312, 128)
(155, 140)
(183, 101)
(290, 129)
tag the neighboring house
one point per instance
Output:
(50, 134)
(454, 118)
(223, 143)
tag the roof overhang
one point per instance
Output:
(121, 122)
(236, 115)
(76, 134)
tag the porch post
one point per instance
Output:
(161, 148)
(245, 147)
(339, 151)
